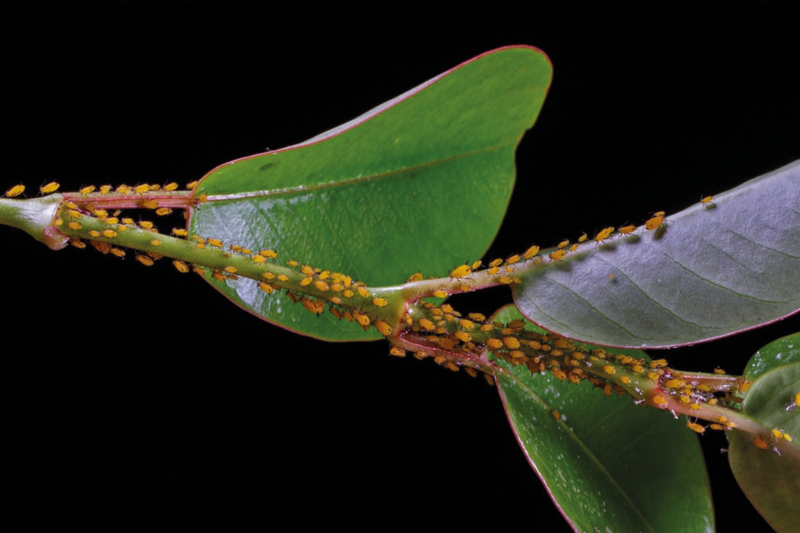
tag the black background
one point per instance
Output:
(138, 398)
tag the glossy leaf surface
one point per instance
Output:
(420, 183)
(772, 481)
(609, 464)
(707, 272)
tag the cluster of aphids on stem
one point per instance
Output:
(428, 330)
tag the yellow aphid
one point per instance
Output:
(87, 190)
(150, 204)
(427, 324)
(155, 242)
(440, 294)
(511, 343)
(563, 244)
(694, 406)
(146, 224)
(321, 285)
(658, 363)
(141, 188)
(109, 233)
(659, 213)
(625, 379)
(362, 319)
(77, 243)
(660, 401)
(582, 238)
(50, 187)
(230, 269)
(105, 189)
(745, 386)
(216, 243)
(397, 352)
(696, 427)
(476, 265)
(259, 259)
(143, 259)
(573, 248)
(314, 306)
(170, 186)
(198, 270)
(477, 317)
(604, 234)
(466, 324)
(75, 225)
(608, 369)
(70, 205)
(760, 443)
(347, 293)
(777, 433)
(717, 427)
(384, 328)
(379, 302)
(719, 371)
(787, 437)
(16, 190)
(555, 414)
(155, 187)
(181, 266)
(130, 221)
(305, 269)
(494, 344)
(364, 293)
(532, 251)
(266, 287)
(94, 233)
(415, 277)
(463, 336)
(162, 211)
(180, 232)
(654, 223)
(101, 213)
(269, 254)
(496, 263)
(461, 272)
(112, 220)
(219, 276)
(626, 230)
(708, 201)
(119, 252)
(558, 255)
(268, 275)
(514, 259)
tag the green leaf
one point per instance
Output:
(772, 481)
(609, 464)
(708, 272)
(420, 183)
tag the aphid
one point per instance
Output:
(384, 328)
(466, 324)
(379, 302)
(463, 336)
(293, 297)
(471, 371)
(321, 285)
(219, 276)
(555, 414)
(489, 379)
(760, 443)
(415, 277)
(75, 225)
(397, 352)
(627, 230)
(313, 306)
(215, 243)
(179, 232)
(745, 386)
(155, 187)
(109, 233)
(461, 272)
(113, 220)
(102, 247)
(440, 294)
(198, 270)
(696, 427)
(609, 369)
(363, 319)
(476, 265)
(181, 266)
(16, 190)
(660, 401)
(77, 243)
(563, 244)
(707, 202)
(50, 187)
(101, 213)
(146, 224)
(427, 324)
(558, 255)
(364, 293)
(659, 213)
(611, 277)
(626, 379)
(477, 317)
(514, 259)
(496, 263)
(192, 185)
(94, 233)
(119, 252)
(494, 344)
(145, 260)
(259, 259)
(140, 189)
(128, 221)
(655, 222)
(511, 343)
(170, 186)
(105, 189)
(604, 234)
(87, 190)
(230, 269)
(150, 204)
(155, 242)
(269, 254)
(532, 251)
(573, 248)
(162, 211)
(717, 427)
(719, 371)
(582, 238)
(777, 433)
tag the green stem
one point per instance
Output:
(34, 216)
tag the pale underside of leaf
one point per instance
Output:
(708, 272)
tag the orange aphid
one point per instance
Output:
(654, 223)
(461, 272)
(16, 190)
(313, 306)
